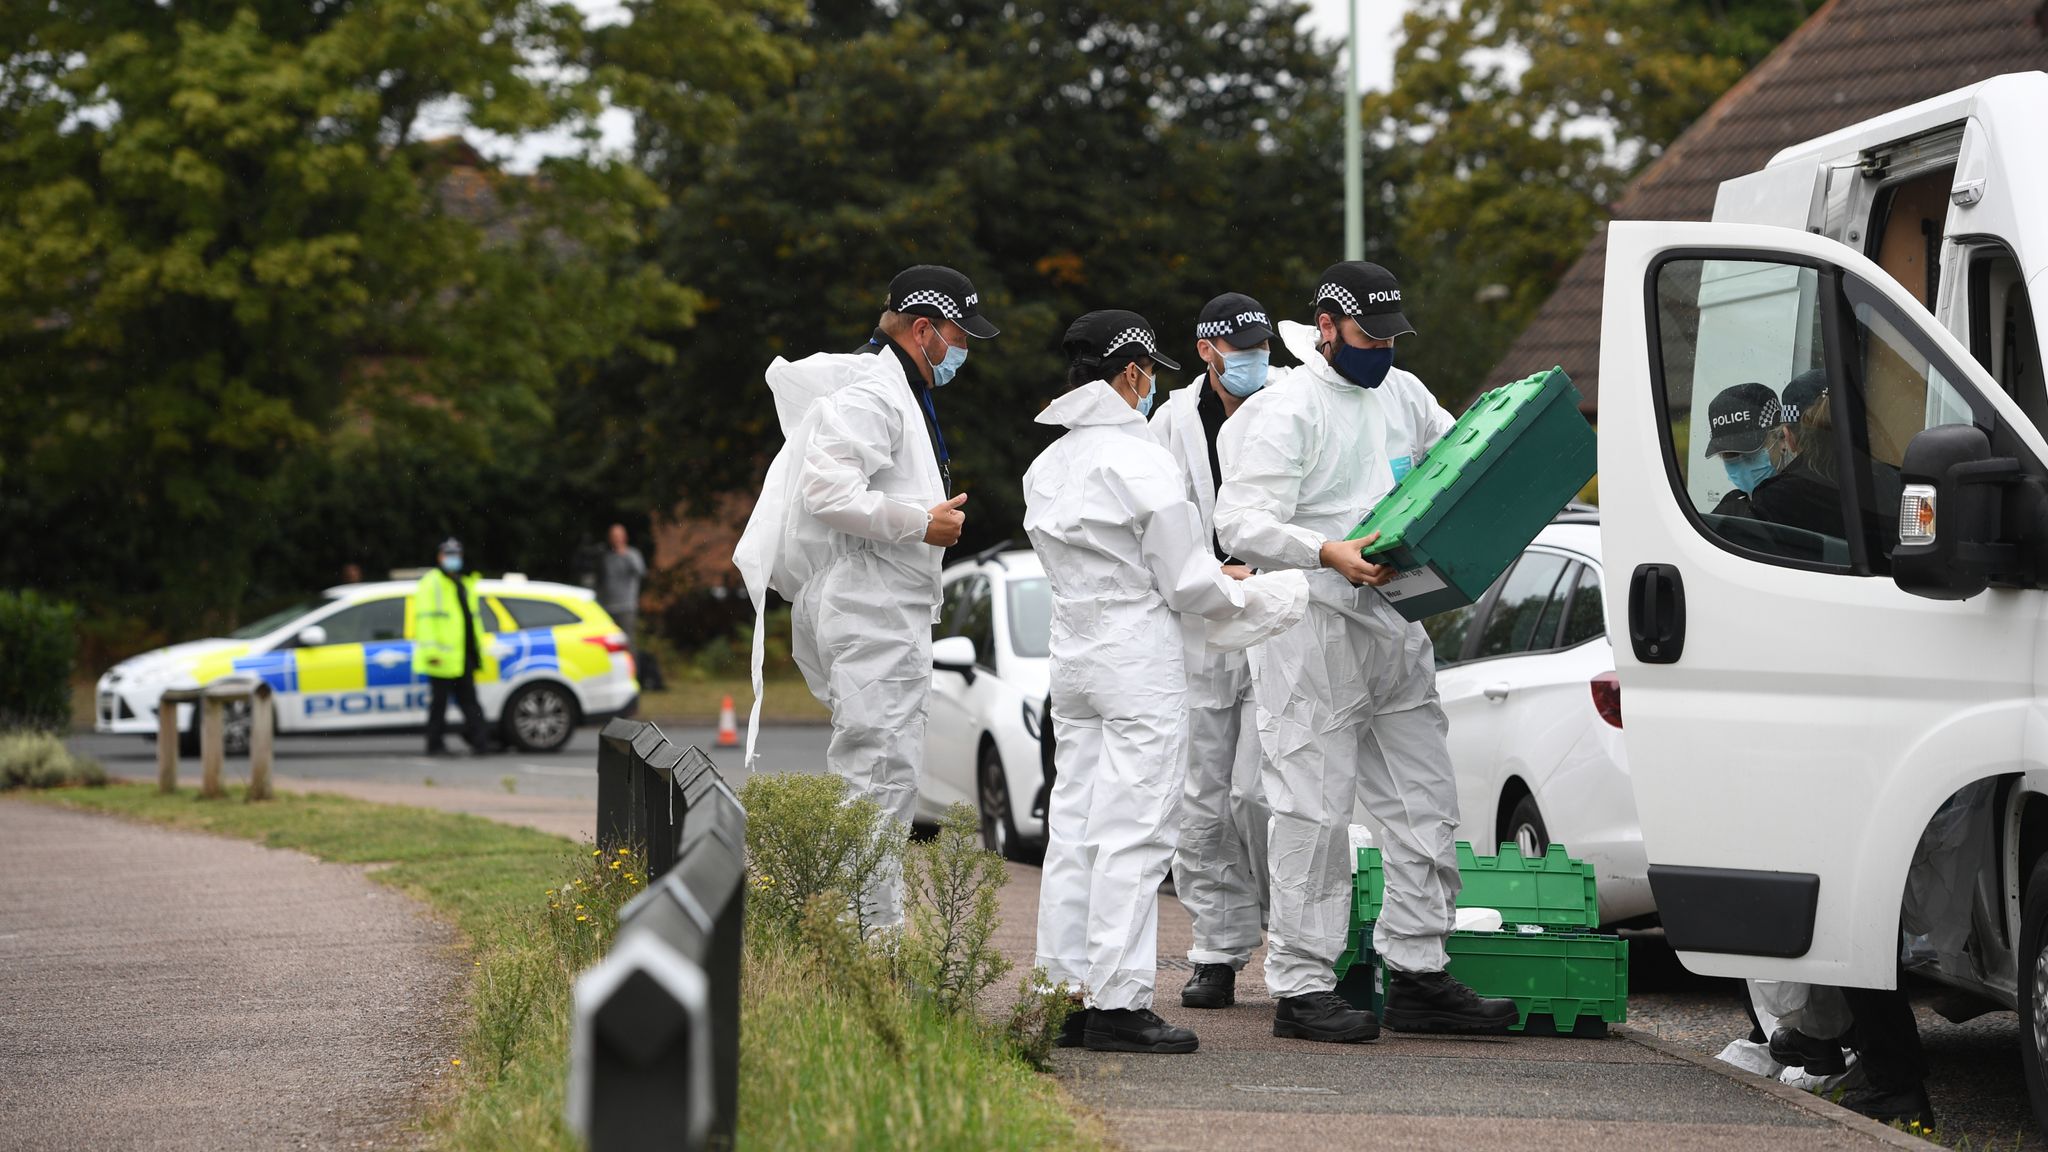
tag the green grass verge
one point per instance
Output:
(811, 1073)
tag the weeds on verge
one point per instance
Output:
(806, 841)
(950, 886)
(525, 985)
(805, 838)
(1036, 1018)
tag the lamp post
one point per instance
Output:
(1354, 189)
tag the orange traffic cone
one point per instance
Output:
(728, 725)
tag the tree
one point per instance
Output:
(225, 246)
(1145, 154)
(1512, 125)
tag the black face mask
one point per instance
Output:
(1365, 367)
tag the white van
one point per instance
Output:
(1826, 725)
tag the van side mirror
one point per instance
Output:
(954, 654)
(312, 636)
(1950, 513)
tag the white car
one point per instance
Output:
(990, 658)
(342, 663)
(1527, 679)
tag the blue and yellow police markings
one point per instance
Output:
(522, 652)
(278, 669)
(369, 681)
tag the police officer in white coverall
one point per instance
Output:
(1219, 869)
(852, 527)
(1347, 701)
(1133, 576)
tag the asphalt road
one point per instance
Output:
(1976, 1083)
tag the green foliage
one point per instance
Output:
(1036, 1018)
(38, 640)
(1146, 154)
(226, 245)
(807, 840)
(813, 1076)
(950, 888)
(1514, 124)
(33, 758)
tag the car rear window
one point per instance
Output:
(528, 614)
(1585, 620)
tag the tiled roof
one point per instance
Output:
(1852, 60)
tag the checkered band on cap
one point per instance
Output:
(943, 302)
(1341, 295)
(1130, 336)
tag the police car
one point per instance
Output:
(342, 663)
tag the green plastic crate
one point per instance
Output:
(1459, 518)
(1552, 891)
(1564, 983)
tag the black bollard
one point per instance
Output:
(640, 1051)
(699, 910)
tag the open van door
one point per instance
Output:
(1794, 718)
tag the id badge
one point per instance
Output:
(1402, 465)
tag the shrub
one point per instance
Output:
(35, 759)
(38, 635)
(1036, 1018)
(806, 839)
(950, 886)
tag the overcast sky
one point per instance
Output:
(1379, 22)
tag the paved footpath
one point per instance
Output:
(172, 990)
(1245, 1090)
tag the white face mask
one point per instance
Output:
(1151, 389)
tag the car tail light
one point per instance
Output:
(612, 642)
(1607, 697)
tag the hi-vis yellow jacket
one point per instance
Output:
(437, 626)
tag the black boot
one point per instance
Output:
(1135, 1030)
(1433, 1002)
(1886, 1106)
(1074, 1030)
(1323, 1016)
(1212, 986)
(1795, 1049)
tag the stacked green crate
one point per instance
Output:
(1459, 518)
(1566, 980)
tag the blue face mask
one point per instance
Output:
(451, 564)
(1244, 372)
(1151, 390)
(942, 372)
(1365, 367)
(1749, 469)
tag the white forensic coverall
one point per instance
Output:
(1107, 513)
(839, 531)
(1219, 868)
(1347, 702)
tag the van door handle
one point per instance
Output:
(1496, 691)
(1656, 613)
